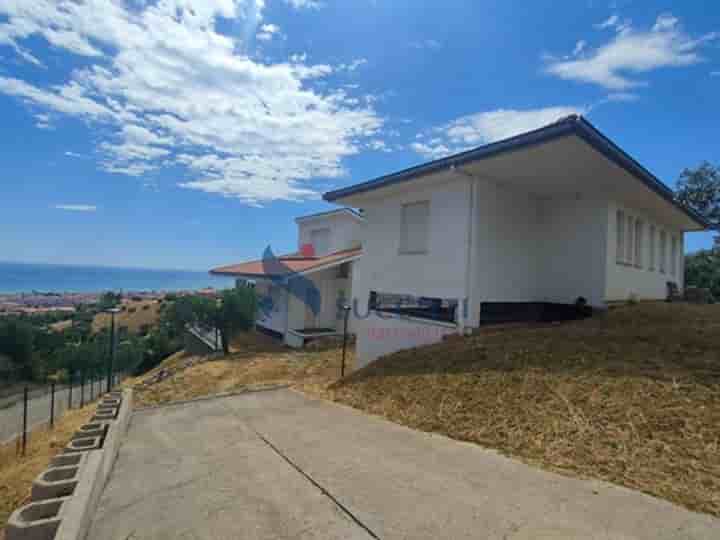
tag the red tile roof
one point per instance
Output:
(286, 264)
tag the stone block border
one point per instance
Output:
(65, 496)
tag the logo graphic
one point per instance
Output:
(284, 277)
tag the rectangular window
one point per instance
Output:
(673, 256)
(638, 244)
(630, 243)
(651, 266)
(663, 251)
(620, 247)
(414, 227)
(320, 239)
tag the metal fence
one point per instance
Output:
(37, 408)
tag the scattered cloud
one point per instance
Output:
(622, 97)
(268, 31)
(169, 89)
(426, 44)
(76, 207)
(631, 52)
(305, 4)
(481, 128)
(74, 155)
(715, 73)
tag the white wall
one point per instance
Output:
(344, 230)
(276, 320)
(382, 334)
(624, 281)
(572, 250)
(505, 246)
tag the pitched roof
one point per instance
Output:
(286, 265)
(571, 125)
(350, 211)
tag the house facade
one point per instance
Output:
(300, 295)
(541, 219)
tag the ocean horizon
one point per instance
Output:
(19, 277)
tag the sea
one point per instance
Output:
(27, 277)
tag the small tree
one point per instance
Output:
(236, 312)
(699, 189)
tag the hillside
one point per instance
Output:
(134, 315)
(632, 398)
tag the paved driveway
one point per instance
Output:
(276, 465)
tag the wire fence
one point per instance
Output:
(39, 407)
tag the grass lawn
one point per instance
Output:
(17, 472)
(632, 398)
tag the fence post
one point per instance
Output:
(52, 404)
(25, 415)
(70, 377)
(82, 389)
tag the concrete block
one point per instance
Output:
(83, 444)
(38, 520)
(116, 432)
(68, 460)
(54, 483)
(103, 417)
(110, 402)
(92, 429)
(78, 510)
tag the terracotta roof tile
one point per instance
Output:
(285, 264)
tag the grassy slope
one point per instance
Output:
(133, 321)
(632, 398)
(255, 360)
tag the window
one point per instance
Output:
(414, 227)
(663, 250)
(620, 247)
(638, 244)
(673, 256)
(320, 239)
(651, 266)
(630, 244)
(437, 309)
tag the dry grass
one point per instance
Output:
(18, 472)
(256, 360)
(632, 398)
(146, 313)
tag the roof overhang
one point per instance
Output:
(338, 212)
(332, 261)
(503, 161)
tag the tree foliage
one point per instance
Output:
(699, 189)
(702, 269)
(236, 312)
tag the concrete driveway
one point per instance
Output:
(277, 465)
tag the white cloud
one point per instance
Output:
(482, 128)
(305, 4)
(268, 31)
(162, 82)
(76, 207)
(632, 52)
(579, 47)
(610, 22)
(352, 66)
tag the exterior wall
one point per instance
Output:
(624, 281)
(440, 272)
(344, 230)
(572, 250)
(275, 318)
(383, 334)
(505, 251)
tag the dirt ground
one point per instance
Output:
(632, 398)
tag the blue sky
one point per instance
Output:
(187, 134)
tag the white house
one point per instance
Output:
(510, 230)
(301, 294)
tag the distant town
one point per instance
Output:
(37, 302)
